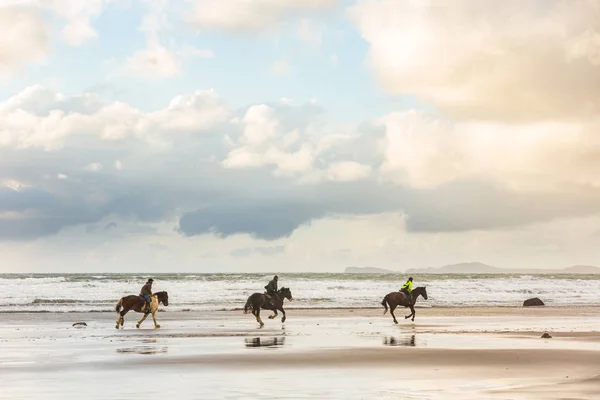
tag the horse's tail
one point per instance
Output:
(248, 305)
(384, 303)
(118, 307)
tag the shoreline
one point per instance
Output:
(559, 310)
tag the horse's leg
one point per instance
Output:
(257, 315)
(274, 315)
(282, 311)
(121, 320)
(141, 320)
(412, 313)
(392, 308)
(156, 325)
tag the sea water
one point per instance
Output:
(195, 292)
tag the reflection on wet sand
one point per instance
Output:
(265, 342)
(146, 350)
(408, 341)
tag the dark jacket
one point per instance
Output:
(271, 286)
(146, 289)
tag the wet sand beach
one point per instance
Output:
(447, 353)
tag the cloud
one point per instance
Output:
(23, 39)
(159, 61)
(348, 171)
(242, 16)
(514, 61)
(268, 139)
(37, 118)
(422, 150)
(153, 62)
(263, 251)
(267, 170)
(78, 16)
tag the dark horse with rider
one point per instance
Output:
(406, 297)
(272, 299)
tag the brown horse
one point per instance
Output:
(256, 301)
(137, 303)
(395, 299)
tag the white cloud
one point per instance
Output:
(78, 15)
(154, 62)
(424, 151)
(196, 158)
(347, 171)
(37, 118)
(23, 39)
(194, 112)
(157, 60)
(94, 167)
(504, 61)
(78, 32)
(251, 15)
(420, 150)
(263, 143)
(260, 124)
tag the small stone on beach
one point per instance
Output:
(534, 302)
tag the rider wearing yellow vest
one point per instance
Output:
(407, 288)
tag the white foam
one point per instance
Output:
(218, 292)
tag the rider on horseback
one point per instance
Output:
(271, 289)
(407, 289)
(146, 292)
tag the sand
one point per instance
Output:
(465, 353)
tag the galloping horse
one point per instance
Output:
(136, 303)
(395, 299)
(256, 301)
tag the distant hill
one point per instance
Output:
(367, 270)
(462, 268)
(480, 268)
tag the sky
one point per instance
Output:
(298, 135)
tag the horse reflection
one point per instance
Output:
(146, 350)
(264, 342)
(408, 341)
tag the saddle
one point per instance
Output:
(146, 306)
(270, 298)
(405, 295)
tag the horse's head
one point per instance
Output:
(424, 292)
(163, 297)
(287, 293)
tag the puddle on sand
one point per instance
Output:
(408, 341)
(265, 342)
(146, 350)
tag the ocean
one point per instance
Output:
(196, 292)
